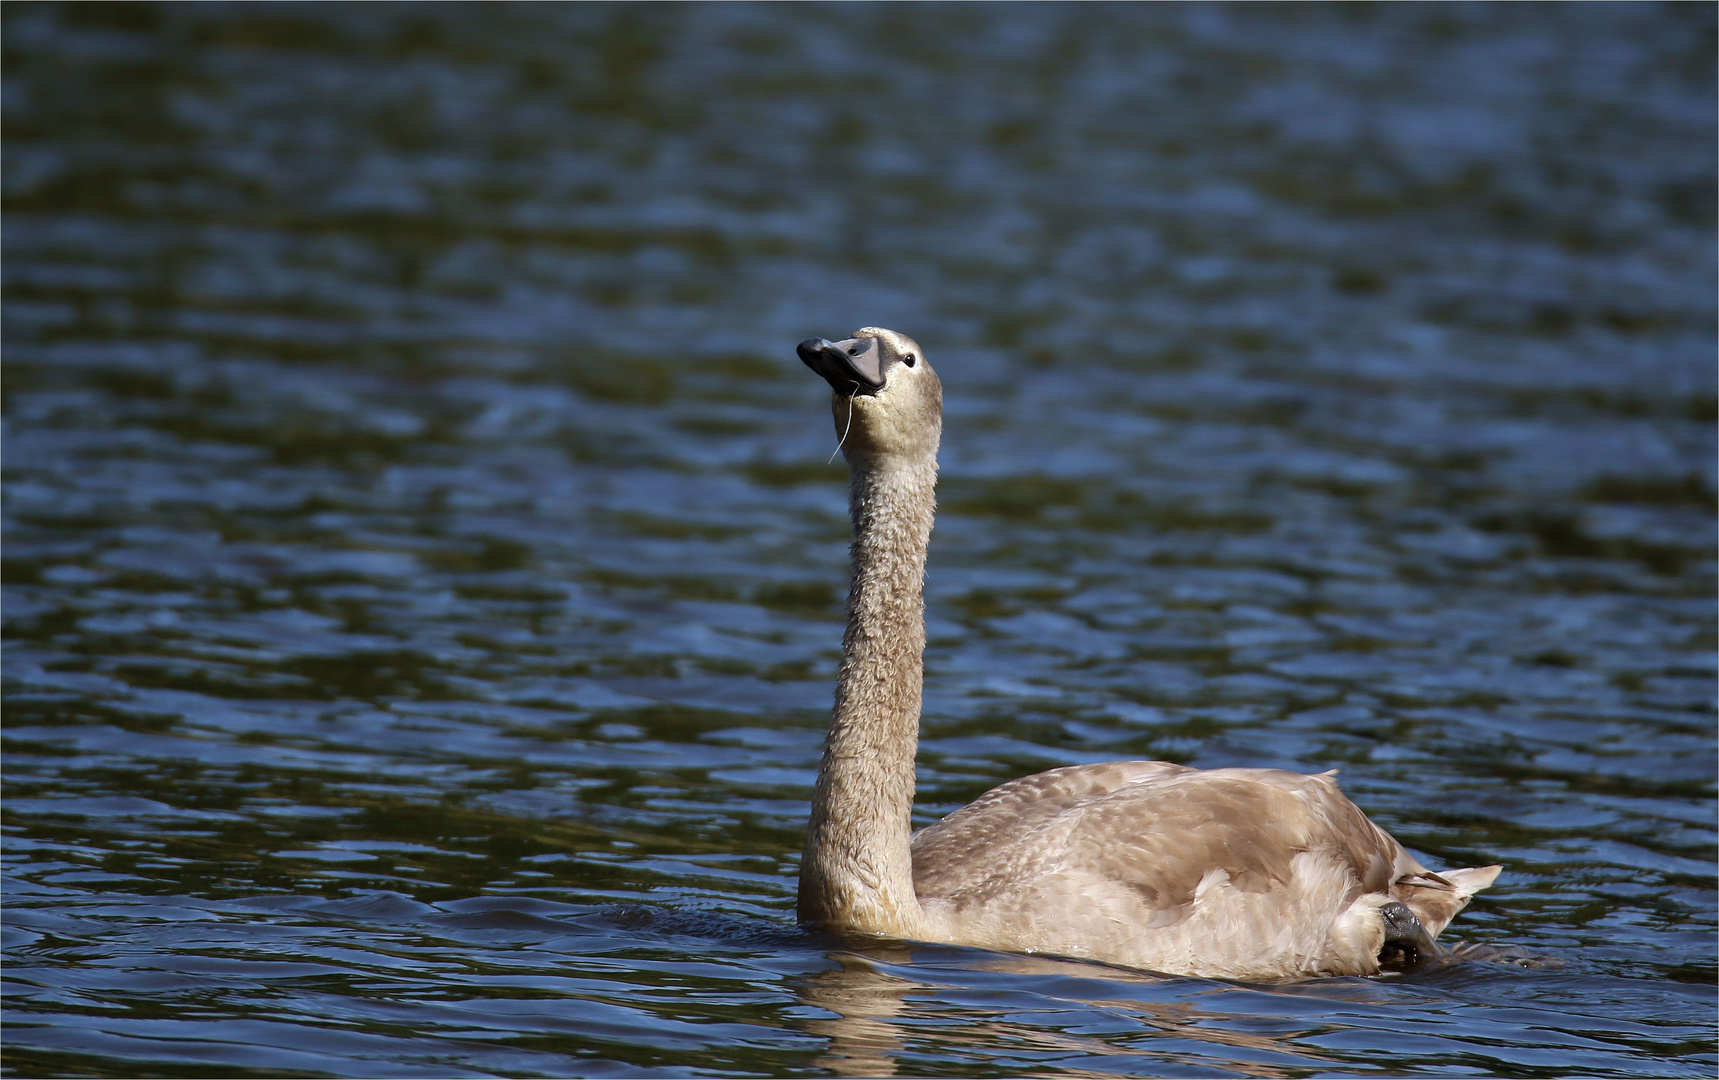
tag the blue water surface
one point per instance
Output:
(424, 579)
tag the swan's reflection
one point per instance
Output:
(864, 999)
(868, 994)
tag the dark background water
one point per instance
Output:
(423, 578)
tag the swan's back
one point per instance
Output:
(1232, 872)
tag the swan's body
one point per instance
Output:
(1242, 873)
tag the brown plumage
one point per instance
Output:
(1245, 873)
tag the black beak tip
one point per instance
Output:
(811, 348)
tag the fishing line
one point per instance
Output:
(843, 440)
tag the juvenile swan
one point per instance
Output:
(1238, 873)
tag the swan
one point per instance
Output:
(1230, 873)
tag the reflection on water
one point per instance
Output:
(1058, 1026)
(859, 1000)
(423, 579)
(883, 1011)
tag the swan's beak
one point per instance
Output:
(854, 366)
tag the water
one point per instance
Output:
(424, 580)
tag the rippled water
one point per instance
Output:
(423, 579)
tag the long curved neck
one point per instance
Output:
(857, 873)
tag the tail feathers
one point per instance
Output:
(1436, 898)
(1472, 879)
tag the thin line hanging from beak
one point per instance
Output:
(843, 440)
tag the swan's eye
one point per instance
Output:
(908, 359)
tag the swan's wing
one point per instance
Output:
(1237, 872)
(978, 843)
(1157, 830)
(1435, 898)
(1165, 836)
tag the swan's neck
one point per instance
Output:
(858, 870)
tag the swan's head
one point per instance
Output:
(886, 399)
